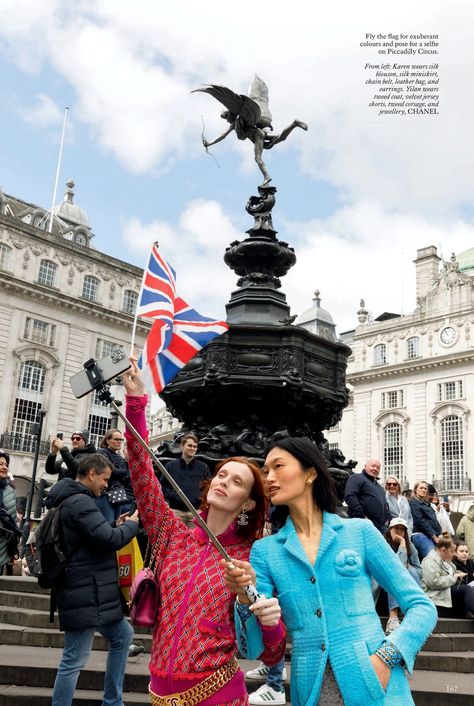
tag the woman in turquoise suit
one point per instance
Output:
(319, 566)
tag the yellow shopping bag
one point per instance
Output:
(130, 561)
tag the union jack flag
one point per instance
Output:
(178, 331)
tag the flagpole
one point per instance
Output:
(134, 327)
(66, 110)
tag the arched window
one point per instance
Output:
(452, 452)
(90, 288)
(380, 354)
(31, 376)
(47, 273)
(393, 450)
(5, 257)
(413, 347)
(130, 299)
(28, 402)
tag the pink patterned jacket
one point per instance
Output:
(195, 633)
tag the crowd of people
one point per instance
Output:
(319, 574)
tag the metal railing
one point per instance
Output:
(26, 444)
(457, 485)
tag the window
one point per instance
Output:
(130, 299)
(97, 426)
(39, 331)
(413, 347)
(450, 390)
(392, 399)
(31, 377)
(380, 354)
(333, 447)
(103, 347)
(5, 257)
(452, 452)
(47, 273)
(27, 404)
(393, 450)
(90, 288)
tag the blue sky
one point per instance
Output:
(357, 194)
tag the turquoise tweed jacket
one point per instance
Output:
(329, 611)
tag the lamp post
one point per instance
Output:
(36, 430)
(117, 392)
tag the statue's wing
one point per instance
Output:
(241, 105)
(258, 92)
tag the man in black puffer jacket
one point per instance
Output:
(88, 597)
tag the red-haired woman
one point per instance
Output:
(193, 654)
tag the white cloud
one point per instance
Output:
(45, 113)
(194, 246)
(132, 65)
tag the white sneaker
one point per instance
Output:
(267, 695)
(261, 672)
(392, 624)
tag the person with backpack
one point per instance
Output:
(87, 593)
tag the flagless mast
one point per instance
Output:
(58, 168)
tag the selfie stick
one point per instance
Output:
(97, 381)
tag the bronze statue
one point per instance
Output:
(250, 118)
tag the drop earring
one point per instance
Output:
(242, 518)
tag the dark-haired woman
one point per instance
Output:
(319, 565)
(193, 653)
(398, 539)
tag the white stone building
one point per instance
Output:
(412, 381)
(61, 302)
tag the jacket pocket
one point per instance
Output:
(210, 627)
(357, 595)
(369, 676)
(291, 613)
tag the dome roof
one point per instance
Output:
(316, 312)
(70, 211)
(466, 260)
(317, 320)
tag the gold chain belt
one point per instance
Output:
(200, 692)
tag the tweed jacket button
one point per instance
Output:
(319, 612)
(313, 579)
(323, 647)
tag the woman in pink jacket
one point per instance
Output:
(193, 654)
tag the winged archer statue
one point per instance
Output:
(250, 118)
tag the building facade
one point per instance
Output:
(61, 303)
(412, 381)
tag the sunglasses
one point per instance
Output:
(76, 438)
(391, 485)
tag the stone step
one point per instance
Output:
(41, 696)
(50, 637)
(23, 599)
(442, 688)
(24, 584)
(451, 642)
(454, 662)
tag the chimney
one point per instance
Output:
(427, 269)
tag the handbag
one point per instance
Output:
(145, 589)
(117, 496)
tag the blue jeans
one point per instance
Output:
(274, 676)
(111, 512)
(422, 543)
(392, 603)
(77, 647)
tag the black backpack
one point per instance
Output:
(45, 554)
